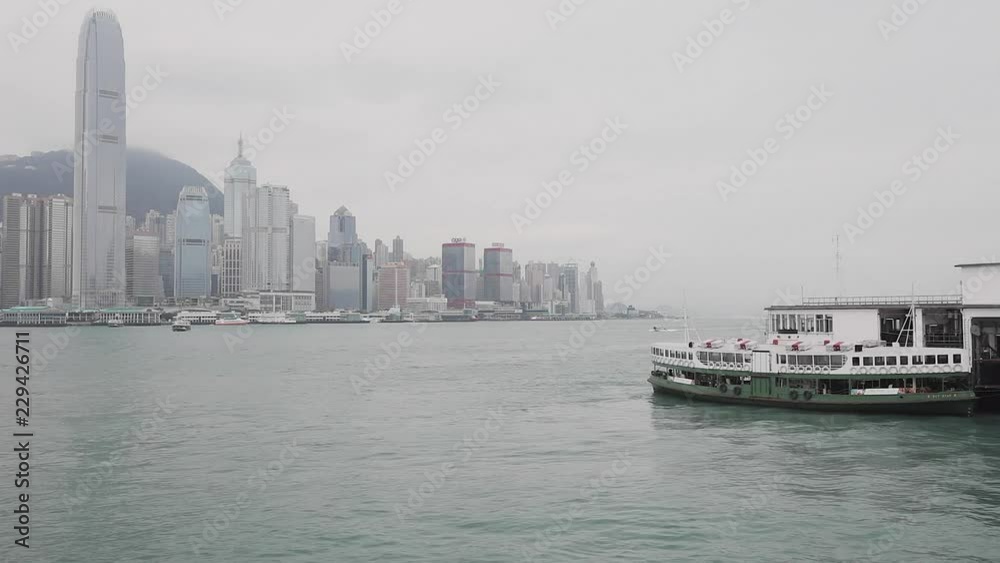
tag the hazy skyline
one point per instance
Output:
(543, 87)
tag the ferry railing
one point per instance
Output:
(902, 300)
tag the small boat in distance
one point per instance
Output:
(180, 325)
(230, 319)
(115, 323)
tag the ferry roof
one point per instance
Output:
(924, 301)
(978, 265)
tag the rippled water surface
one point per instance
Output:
(455, 443)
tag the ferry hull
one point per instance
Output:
(955, 404)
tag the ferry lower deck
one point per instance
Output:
(926, 396)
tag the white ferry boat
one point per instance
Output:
(198, 316)
(230, 319)
(271, 319)
(910, 354)
(180, 325)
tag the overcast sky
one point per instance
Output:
(689, 121)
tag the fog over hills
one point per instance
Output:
(153, 180)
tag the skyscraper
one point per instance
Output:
(99, 173)
(397, 249)
(265, 242)
(498, 273)
(36, 252)
(303, 254)
(240, 181)
(458, 273)
(23, 250)
(142, 259)
(393, 286)
(381, 253)
(534, 277)
(230, 282)
(192, 248)
(58, 263)
(570, 286)
(342, 239)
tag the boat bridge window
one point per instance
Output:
(703, 356)
(942, 359)
(714, 357)
(801, 324)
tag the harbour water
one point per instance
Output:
(465, 442)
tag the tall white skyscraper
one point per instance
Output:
(265, 246)
(193, 245)
(99, 173)
(240, 180)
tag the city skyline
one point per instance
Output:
(681, 142)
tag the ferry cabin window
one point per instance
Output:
(918, 361)
(714, 357)
(956, 359)
(942, 359)
(822, 360)
(904, 360)
(890, 361)
(728, 358)
(703, 356)
(837, 362)
(929, 360)
(869, 361)
(879, 361)
(782, 359)
(855, 361)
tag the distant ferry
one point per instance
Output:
(230, 319)
(271, 319)
(915, 355)
(180, 325)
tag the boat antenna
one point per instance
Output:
(687, 328)
(909, 323)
